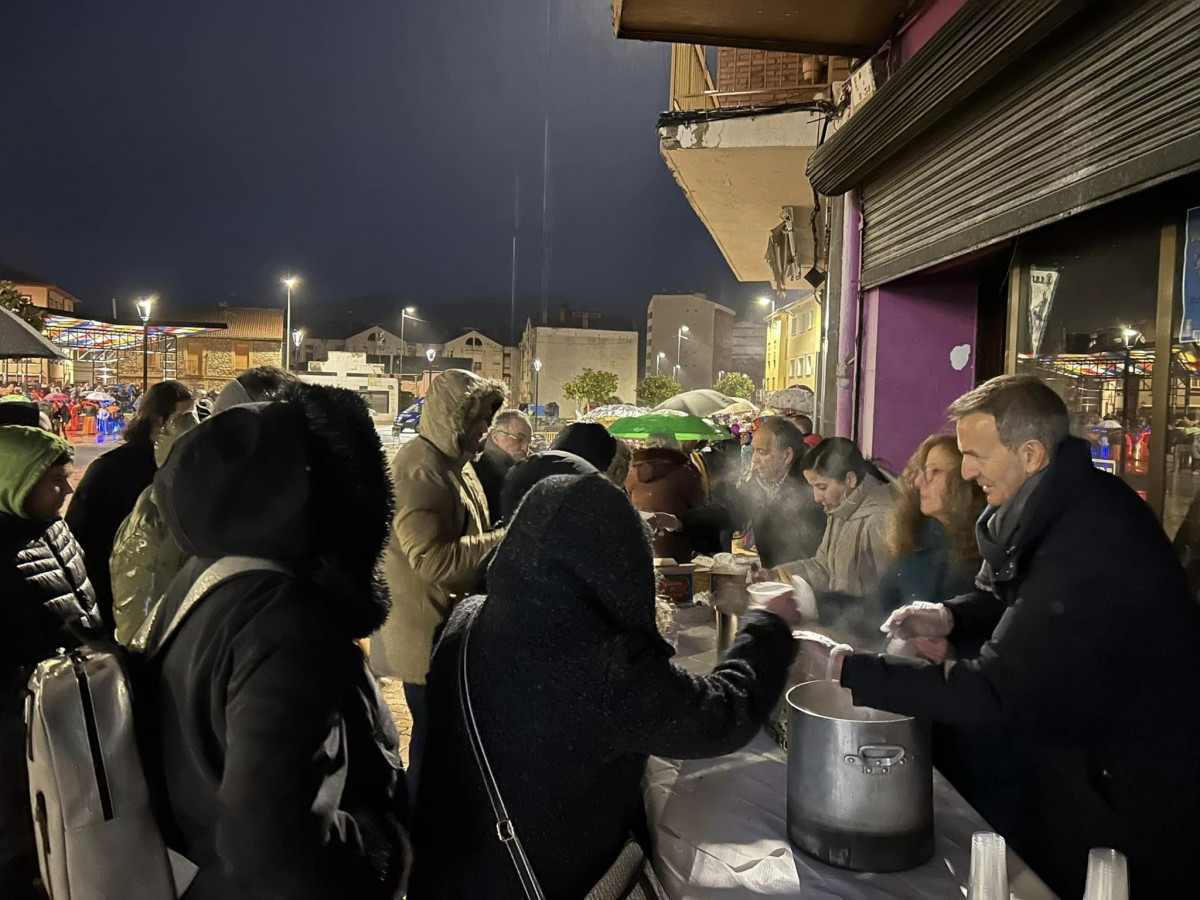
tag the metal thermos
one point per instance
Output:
(860, 782)
(727, 626)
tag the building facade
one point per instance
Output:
(489, 358)
(45, 295)
(748, 355)
(793, 345)
(564, 353)
(251, 337)
(353, 372)
(698, 355)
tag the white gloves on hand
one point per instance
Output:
(821, 656)
(919, 620)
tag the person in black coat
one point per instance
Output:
(1092, 653)
(112, 484)
(46, 602)
(776, 503)
(506, 445)
(278, 761)
(573, 688)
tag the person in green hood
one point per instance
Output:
(46, 602)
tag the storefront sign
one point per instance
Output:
(1189, 330)
(1043, 282)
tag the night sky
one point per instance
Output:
(202, 150)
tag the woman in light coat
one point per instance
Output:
(853, 555)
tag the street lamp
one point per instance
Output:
(658, 362)
(143, 308)
(289, 282)
(767, 300)
(430, 354)
(406, 313)
(297, 340)
(679, 339)
(537, 372)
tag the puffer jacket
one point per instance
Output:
(853, 555)
(663, 480)
(439, 544)
(145, 557)
(43, 586)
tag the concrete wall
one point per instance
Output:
(749, 354)
(566, 352)
(709, 347)
(918, 355)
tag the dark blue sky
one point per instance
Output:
(200, 150)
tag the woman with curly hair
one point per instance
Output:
(931, 529)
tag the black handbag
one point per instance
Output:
(630, 877)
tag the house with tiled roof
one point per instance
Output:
(40, 291)
(252, 336)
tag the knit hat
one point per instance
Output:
(27, 453)
(589, 440)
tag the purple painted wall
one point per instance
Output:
(916, 33)
(910, 331)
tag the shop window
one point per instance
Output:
(241, 356)
(1086, 326)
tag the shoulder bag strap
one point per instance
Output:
(219, 572)
(505, 829)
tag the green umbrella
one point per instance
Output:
(683, 428)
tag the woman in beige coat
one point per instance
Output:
(440, 545)
(853, 555)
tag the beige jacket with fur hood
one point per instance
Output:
(439, 543)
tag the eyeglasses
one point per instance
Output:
(520, 440)
(929, 473)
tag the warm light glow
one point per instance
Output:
(143, 307)
(764, 300)
(662, 354)
(537, 365)
(684, 329)
(291, 281)
(430, 354)
(297, 337)
(410, 310)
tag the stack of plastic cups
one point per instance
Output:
(989, 867)
(1107, 875)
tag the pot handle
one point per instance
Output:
(878, 759)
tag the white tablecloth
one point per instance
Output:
(720, 827)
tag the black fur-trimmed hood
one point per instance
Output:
(302, 481)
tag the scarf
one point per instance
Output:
(996, 533)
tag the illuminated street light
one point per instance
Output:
(679, 339)
(297, 340)
(767, 300)
(658, 362)
(143, 307)
(537, 372)
(289, 282)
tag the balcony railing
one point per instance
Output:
(751, 78)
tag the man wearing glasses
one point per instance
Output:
(506, 445)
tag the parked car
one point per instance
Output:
(404, 426)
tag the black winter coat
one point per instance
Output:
(104, 499)
(491, 467)
(43, 586)
(573, 688)
(1093, 660)
(277, 759)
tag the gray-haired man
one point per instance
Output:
(1091, 653)
(507, 444)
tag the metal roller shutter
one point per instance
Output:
(1106, 108)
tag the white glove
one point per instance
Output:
(821, 656)
(920, 620)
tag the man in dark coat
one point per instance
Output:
(572, 688)
(112, 484)
(507, 444)
(776, 503)
(1092, 659)
(46, 602)
(278, 760)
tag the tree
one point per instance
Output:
(591, 387)
(654, 389)
(736, 384)
(11, 299)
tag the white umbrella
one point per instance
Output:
(613, 411)
(99, 397)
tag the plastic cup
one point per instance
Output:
(989, 867)
(1107, 875)
(764, 591)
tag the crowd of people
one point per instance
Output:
(1042, 622)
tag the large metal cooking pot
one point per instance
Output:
(860, 782)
